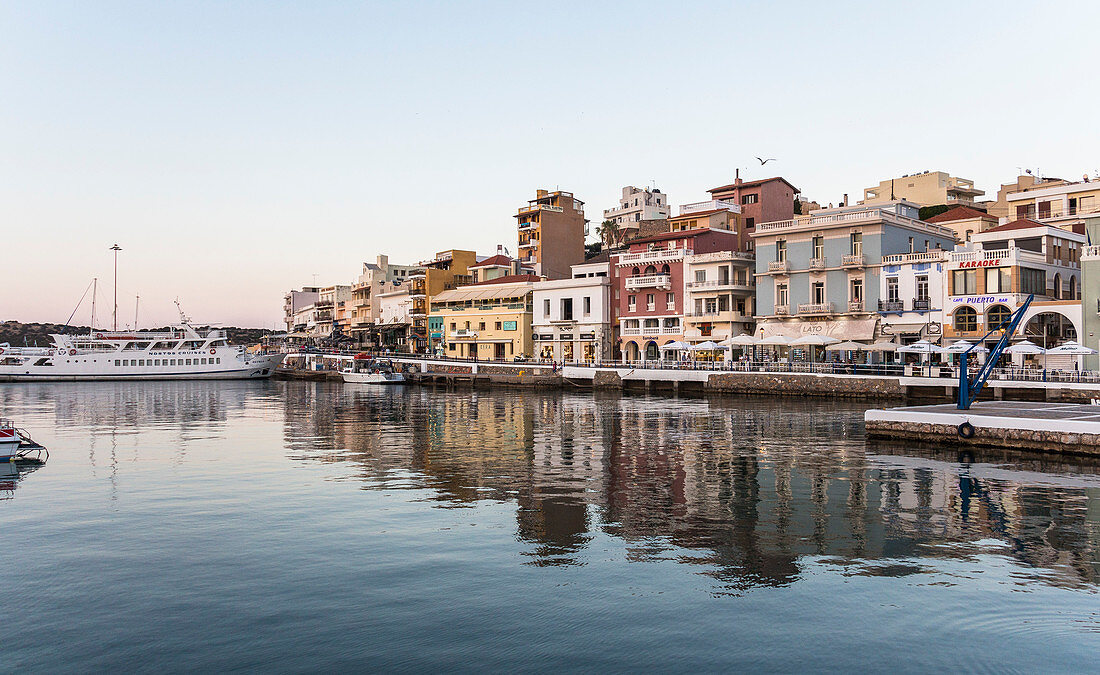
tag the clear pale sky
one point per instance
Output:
(234, 150)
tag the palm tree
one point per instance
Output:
(609, 233)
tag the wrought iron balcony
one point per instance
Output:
(815, 308)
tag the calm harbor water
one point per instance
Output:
(312, 526)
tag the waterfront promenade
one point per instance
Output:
(846, 380)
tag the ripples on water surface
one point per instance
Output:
(300, 526)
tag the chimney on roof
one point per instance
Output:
(541, 193)
(737, 176)
(845, 202)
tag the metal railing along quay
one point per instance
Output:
(932, 373)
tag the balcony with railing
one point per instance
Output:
(996, 257)
(663, 281)
(855, 305)
(905, 258)
(779, 266)
(891, 306)
(782, 310)
(527, 227)
(725, 315)
(734, 284)
(711, 205)
(852, 260)
(651, 330)
(653, 256)
(723, 256)
(817, 263)
(540, 207)
(845, 218)
(815, 308)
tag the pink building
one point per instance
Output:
(762, 201)
(647, 282)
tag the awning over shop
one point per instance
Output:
(922, 329)
(841, 329)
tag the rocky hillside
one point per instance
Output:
(19, 334)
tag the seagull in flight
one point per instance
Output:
(765, 161)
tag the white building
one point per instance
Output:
(572, 317)
(911, 295)
(636, 205)
(990, 278)
(295, 301)
(719, 295)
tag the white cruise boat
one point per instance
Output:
(180, 354)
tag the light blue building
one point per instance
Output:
(821, 273)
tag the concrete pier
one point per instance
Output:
(1050, 427)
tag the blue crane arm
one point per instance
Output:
(969, 390)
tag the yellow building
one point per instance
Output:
(446, 271)
(487, 320)
(930, 188)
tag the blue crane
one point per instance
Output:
(969, 389)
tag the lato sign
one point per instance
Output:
(980, 263)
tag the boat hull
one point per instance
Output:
(256, 368)
(373, 378)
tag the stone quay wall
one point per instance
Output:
(991, 437)
(804, 385)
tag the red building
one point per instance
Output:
(647, 282)
(762, 201)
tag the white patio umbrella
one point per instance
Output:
(776, 341)
(675, 345)
(1071, 347)
(814, 341)
(846, 347)
(742, 340)
(883, 346)
(921, 347)
(1025, 347)
(708, 346)
(962, 346)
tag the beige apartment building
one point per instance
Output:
(552, 229)
(966, 221)
(378, 277)
(930, 188)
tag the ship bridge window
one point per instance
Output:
(43, 362)
(117, 362)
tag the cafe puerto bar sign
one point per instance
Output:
(980, 263)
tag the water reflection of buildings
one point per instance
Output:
(747, 489)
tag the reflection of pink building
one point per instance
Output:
(648, 287)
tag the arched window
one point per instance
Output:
(1058, 286)
(1073, 291)
(650, 270)
(636, 271)
(997, 315)
(665, 269)
(966, 319)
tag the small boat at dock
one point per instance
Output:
(364, 370)
(18, 448)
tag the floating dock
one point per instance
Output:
(1050, 427)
